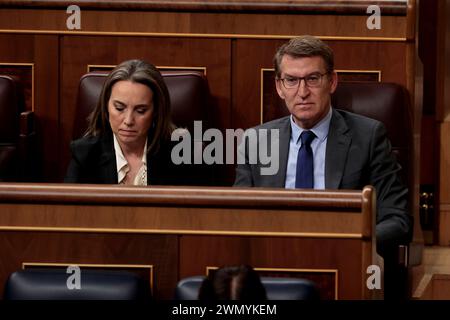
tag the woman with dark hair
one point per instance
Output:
(233, 283)
(128, 137)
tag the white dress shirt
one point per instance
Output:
(123, 168)
(318, 146)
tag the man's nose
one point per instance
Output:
(302, 90)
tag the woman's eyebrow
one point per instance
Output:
(142, 105)
(118, 102)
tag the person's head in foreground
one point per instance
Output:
(233, 283)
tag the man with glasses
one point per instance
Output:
(322, 147)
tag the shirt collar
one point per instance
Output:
(320, 129)
(144, 154)
(121, 161)
(120, 158)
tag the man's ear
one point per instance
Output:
(334, 81)
(278, 85)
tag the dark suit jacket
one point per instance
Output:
(94, 161)
(357, 154)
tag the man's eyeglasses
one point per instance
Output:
(313, 80)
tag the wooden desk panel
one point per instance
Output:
(327, 235)
(124, 251)
(323, 260)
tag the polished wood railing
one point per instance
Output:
(326, 236)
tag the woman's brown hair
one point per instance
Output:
(142, 72)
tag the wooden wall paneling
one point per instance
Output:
(388, 57)
(249, 57)
(47, 102)
(427, 52)
(28, 19)
(414, 85)
(390, 7)
(124, 219)
(443, 116)
(444, 186)
(429, 147)
(79, 52)
(290, 25)
(444, 221)
(446, 111)
(445, 163)
(51, 20)
(199, 252)
(428, 150)
(222, 22)
(427, 38)
(94, 248)
(196, 31)
(443, 66)
(42, 51)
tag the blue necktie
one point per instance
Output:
(304, 177)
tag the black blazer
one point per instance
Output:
(94, 161)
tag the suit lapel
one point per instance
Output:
(107, 164)
(285, 136)
(338, 144)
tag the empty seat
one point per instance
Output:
(51, 284)
(16, 134)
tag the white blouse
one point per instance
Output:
(123, 168)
